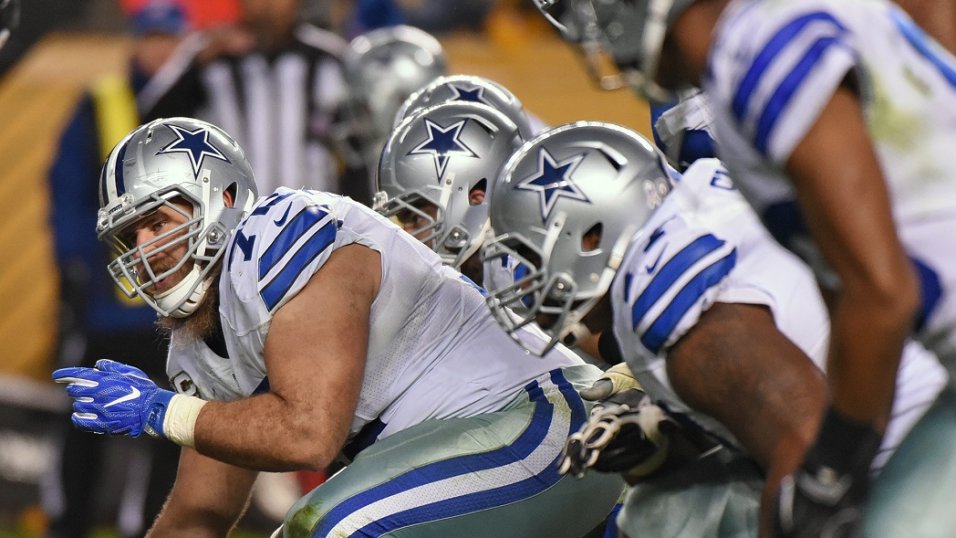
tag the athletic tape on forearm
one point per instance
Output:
(179, 424)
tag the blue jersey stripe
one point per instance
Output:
(523, 446)
(272, 200)
(918, 39)
(931, 291)
(785, 91)
(671, 272)
(657, 334)
(299, 226)
(275, 290)
(776, 45)
(628, 279)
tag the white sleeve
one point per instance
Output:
(676, 275)
(287, 237)
(784, 70)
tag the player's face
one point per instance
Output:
(418, 218)
(159, 238)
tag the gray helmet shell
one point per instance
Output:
(172, 163)
(439, 157)
(564, 208)
(382, 68)
(467, 88)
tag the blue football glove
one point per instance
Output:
(115, 398)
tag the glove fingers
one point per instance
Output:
(75, 374)
(78, 390)
(601, 389)
(113, 367)
(87, 421)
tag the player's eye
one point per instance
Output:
(158, 225)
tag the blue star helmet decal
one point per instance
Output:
(473, 95)
(195, 144)
(442, 142)
(553, 181)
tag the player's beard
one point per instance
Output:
(204, 321)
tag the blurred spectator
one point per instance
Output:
(276, 84)
(96, 321)
(201, 14)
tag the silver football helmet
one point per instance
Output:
(565, 207)
(382, 68)
(172, 163)
(631, 31)
(9, 19)
(467, 88)
(437, 169)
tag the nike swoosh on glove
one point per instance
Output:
(115, 398)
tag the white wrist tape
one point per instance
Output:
(179, 424)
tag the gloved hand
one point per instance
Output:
(629, 438)
(616, 380)
(825, 495)
(115, 398)
(809, 505)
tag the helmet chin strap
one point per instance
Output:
(185, 297)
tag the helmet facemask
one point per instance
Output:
(547, 291)
(139, 268)
(621, 41)
(415, 207)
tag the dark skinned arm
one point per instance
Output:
(736, 366)
(845, 203)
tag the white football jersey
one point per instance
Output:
(434, 349)
(773, 67)
(703, 245)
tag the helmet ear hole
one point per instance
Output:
(592, 238)
(477, 193)
(231, 191)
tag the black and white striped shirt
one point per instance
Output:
(281, 107)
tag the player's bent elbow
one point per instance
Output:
(893, 295)
(308, 454)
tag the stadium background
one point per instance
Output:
(61, 46)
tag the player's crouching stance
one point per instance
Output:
(305, 325)
(724, 329)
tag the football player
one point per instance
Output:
(305, 325)
(436, 169)
(719, 323)
(382, 68)
(832, 117)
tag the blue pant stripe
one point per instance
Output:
(440, 470)
(483, 500)
(526, 443)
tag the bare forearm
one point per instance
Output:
(194, 525)
(266, 433)
(207, 499)
(737, 367)
(865, 348)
